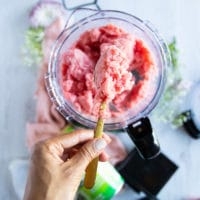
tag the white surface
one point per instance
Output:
(173, 17)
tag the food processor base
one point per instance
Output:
(148, 176)
(141, 133)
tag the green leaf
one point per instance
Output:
(68, 129)
(32, 48)
(173, 53)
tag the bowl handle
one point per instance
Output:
(145, 140)
(80, 14)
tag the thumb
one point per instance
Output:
(88, 152)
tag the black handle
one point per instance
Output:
(141, 133)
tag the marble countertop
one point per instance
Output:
(180, 18)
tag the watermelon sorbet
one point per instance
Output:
(107, 64)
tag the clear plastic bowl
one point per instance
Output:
(88, 19)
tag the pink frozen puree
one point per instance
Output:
(111, 75)
(92, 57)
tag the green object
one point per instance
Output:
(173, 53)
(108, 183)
(175, 91)
(32, 48)
(68, 129)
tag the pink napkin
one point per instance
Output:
(48, 121)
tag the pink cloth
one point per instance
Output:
(116, 150)
(48, 121)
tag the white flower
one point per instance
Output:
(45, 12)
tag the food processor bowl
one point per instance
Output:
(87, 19)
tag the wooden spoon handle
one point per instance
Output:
(91, 170)
(90, 175)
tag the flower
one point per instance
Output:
(175, 90)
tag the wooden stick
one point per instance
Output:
(91, 170)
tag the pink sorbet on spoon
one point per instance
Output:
(111, 74)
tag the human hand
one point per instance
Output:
(58, 164)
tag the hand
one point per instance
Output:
(58, 164)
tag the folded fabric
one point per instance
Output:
(48, 121)
(116, 150)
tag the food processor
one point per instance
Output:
(135, 122)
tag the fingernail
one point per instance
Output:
(100, 144)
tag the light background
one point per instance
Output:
(180, 18)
